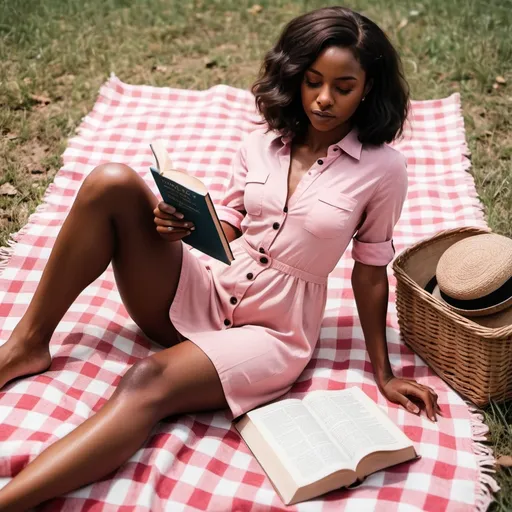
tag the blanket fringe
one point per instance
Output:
(486, 484)
(466, 165)
(7, 252)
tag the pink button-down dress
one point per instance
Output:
(259, 319)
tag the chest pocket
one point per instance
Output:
(330, 214)
(255, 191)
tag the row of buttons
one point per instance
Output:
(263, 260)
(249, 276)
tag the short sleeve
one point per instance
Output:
(373, 241)
(231, 208)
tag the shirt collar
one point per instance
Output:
(350, 144)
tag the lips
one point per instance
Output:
(323, 115)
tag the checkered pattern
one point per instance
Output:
(197, 462)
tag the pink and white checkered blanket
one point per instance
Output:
(197, 462)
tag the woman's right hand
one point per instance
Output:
(170, 224)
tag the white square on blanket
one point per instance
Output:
(266, 495)
(192, 474)
(226, 487)
(208, 445)
(417, 481)
(33, 421)
(462, 490)
(118, 491)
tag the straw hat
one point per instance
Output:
(474, 276)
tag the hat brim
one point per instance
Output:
(494, 316)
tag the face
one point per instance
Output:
(332, 89)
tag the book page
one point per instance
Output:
(163, 160)
(306, 450)
(355, 423)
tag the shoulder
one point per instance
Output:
(388, 163)
(260, 138)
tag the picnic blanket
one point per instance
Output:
(198, 462)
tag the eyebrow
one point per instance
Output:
(338, 78)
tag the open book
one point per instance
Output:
(190, 196)
(327, 440)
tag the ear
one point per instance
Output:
(368, 87)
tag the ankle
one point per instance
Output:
(30, 336)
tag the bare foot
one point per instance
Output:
(17, 359)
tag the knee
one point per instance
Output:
(109, 179)
(145, 383)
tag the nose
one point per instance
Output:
(324, 98)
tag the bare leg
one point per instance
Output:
(111, 220)
(176, 380)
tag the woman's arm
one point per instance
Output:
(370, 285)
(231, 232)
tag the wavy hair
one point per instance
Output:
(380, 118)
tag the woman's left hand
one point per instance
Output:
(399, 390)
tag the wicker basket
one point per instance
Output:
(475, 359)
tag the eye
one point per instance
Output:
(344, 91)
(312, 84)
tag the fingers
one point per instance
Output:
(403, 400)
(426, 395)
(171, 234)
(167, 209)
(170, 222)
(435, 397)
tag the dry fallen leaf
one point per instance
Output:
(11, 136)
(501, 80)
(504, 461)
(66, 79)
(40, 98)
(403, 24)
(161, 69)
(255, 9)
(7, 190)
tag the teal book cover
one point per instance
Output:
(197, 207)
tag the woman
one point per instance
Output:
(315, 177)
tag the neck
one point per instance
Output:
(319, 141)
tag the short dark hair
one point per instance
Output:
(380, 118)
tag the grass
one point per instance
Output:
(54, 55)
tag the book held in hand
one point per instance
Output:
(327, 440)
(190, 197)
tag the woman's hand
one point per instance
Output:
(170, 224)
(398, 390)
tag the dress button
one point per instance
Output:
(250, 275)
(285, 209)
(262, 250)
(336, 149)
(275, 225)
(319, 162)
(227, 323)
(264, 260)
(233, 300)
